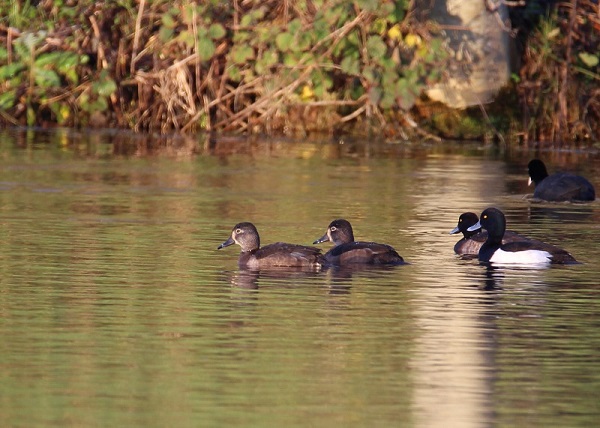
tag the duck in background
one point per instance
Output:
(472, 241)
(524, 253)
(279, 254)
(560, 186)
(347, 251)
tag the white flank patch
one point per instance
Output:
(527, 257)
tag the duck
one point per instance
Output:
(278, 254)
(526, 252)
(347, 251)
(472, 241)
(560, 186)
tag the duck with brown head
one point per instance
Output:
(347, 251)
(279, 254)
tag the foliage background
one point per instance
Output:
(282, 67)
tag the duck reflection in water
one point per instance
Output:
(341, 278)
(252, 279)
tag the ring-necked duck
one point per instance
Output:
(348, 251)
(526, 252)
(472, 241)
(279, 254)
(561, 186)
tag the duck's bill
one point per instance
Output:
(529, 181)
(475, 227)
(227, 243)
(454, 231)
(323, 238)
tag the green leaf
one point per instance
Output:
(376, 47)
(187, 38)
(11, 70)
(284, 41)
(7, 99)
(216, 31)
(46, 78)
(241, 37)
(246, 20)
(398, 12)
(304, 42)
(206, 49)
(370, 74)
(387, 100)
(588, 59)
(405, 93)
(234, 73)
(50, 58)
(168, 21)
(165, 34)
(368, 5)
(241, 54)
(266, 61)
(31, 116)
(104, 86)
(295, 26)
(350, 66)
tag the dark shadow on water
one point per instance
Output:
(491, 278)
(342, 277)
(565, 212)
(251, 279)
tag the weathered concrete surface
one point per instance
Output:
(481, 46)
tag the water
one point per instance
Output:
(116, 308)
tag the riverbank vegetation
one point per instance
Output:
(280, 67)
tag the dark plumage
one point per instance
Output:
(472, 241)
(560, 186)
(348, 251)
(279, 254)
(528, 252)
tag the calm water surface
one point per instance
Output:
(116, 309)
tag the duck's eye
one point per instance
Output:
(485, 216)
(460, 220)
(238, 231)
(333, 228)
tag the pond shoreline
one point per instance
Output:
(255, 69)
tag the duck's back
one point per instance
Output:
(471, 246)
(563, 186)
(281, 254)
(363, 253)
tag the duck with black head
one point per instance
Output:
(471, 242)
(524, 253)
(279, 254)
(560, 186)
(347, 251)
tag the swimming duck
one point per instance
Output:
(560, 186)
(527, 252)
(348, 251)
(279, 254)
(472, 241)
